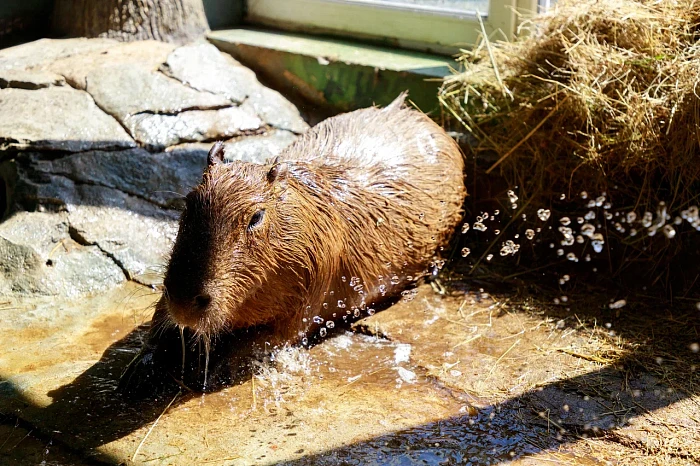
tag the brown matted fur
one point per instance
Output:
(344, 219)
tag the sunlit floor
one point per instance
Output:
(467, 378)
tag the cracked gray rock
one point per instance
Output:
(160, 131)
(38, 256)
(91, 208)
(56, 118)
(148, 55)
(162, 178)
(203, 67)
(275, 110)
(258, 149)
(135, 234)
(128, 89)
(44, 51)
(29, 79)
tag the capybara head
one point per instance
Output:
(235, 233)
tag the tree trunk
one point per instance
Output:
(128, 20)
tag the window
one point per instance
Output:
(441, 26)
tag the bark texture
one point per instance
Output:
(177, 21)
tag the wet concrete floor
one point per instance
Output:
(460, 379)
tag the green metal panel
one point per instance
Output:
(334, 73)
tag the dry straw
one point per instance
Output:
(602, 96)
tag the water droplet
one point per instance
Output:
(562, 197)
(325, 305)
(496, 212)
(529, 234)
(489, 257)
(584, 195)
(318, 320)
(669, 231)
(694, 347)
(543, 214)
(560, 252)
(568, 236)
(631, 217)
(465, 228)
(323, 332)
(341, 304)
(512, 197)
(370, 311)
(408, 295)
(597, 241)
(572, 257)
(509, 247)
(599, 201)
(343, 278)
(354, 281)
(356, 313)
(619, 304)
(480, 226)
(382, 289)
(330, 324)
(588, 230)
(465, 252)
(395, 280)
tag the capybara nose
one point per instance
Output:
(202, 301)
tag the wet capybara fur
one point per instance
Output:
(345, 219)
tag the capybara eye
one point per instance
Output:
(256, 219)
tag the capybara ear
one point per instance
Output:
(278, 171)
(216, 154)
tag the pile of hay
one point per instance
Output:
(602, 97)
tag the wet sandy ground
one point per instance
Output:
(461, 379)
